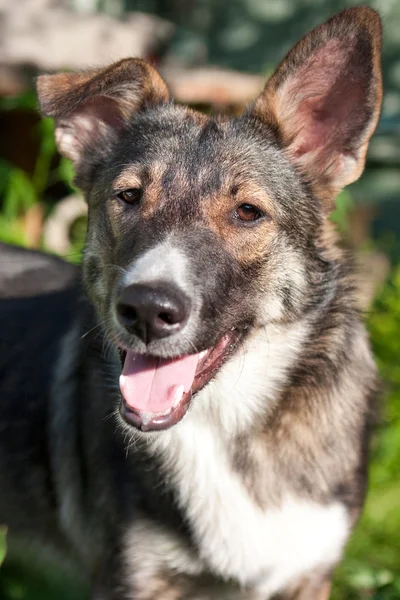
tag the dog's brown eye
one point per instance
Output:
(130, 196)
(248, 212)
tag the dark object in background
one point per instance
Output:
(26, 273)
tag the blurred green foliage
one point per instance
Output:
(3, 547)
(19, 191)
(26, 581)
(343, 206)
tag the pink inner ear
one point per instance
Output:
(85, 127)
(92, 115)
(104, 109)
(321, 102)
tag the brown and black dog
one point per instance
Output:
(235, 466)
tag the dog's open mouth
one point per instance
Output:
(157, 392)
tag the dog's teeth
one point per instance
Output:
(203, 354)
(163, 414)
(149, 416)
(178, 395)
(146, 417)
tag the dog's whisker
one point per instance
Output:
(90, 331)
(110, 416)
(189, 341)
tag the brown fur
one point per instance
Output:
(217, 211)
(130, 82)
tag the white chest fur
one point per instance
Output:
(236, 538)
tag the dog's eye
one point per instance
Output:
(130, 196)
(247, 213)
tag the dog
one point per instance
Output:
(202, 433)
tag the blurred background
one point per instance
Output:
(215, 55)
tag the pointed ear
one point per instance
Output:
(324, 99)
(91, 106)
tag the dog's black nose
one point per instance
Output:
(152, 311)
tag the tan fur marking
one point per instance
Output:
(247, 244)
(153, 192)
(149, 181)
(329, 240)
(198, 117)
(128, 178)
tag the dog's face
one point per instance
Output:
(195, 214)
(200, 228)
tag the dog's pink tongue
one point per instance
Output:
(152, 384)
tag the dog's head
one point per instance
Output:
(202, 228)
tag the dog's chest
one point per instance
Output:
(235, 537)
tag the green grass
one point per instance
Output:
(3, 544)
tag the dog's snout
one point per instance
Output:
(152, 311)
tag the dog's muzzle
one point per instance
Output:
(156, 392)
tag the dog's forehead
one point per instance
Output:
(187, 148)
(188, 162)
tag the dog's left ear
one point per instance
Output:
(91, 107)
(324, 99)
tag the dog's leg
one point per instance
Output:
(316, 587)
(320, 591)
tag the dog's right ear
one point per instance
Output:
(89, 107)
